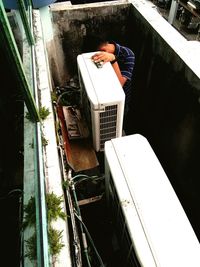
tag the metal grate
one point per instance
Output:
(108, 123)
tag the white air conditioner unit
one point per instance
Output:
(102, 100)
(151, 226)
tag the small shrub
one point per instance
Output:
(55, 241)
(31, 248)
(54, 209)
(44, 141)
(30, 215)
(44, 113)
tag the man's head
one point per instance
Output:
(107, 47)
(95, 43)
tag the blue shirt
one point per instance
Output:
(126, 62)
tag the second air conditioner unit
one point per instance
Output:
(150, 224)
(102, 100)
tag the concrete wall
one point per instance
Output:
(166, 86)
(72, 23)
(166, 103)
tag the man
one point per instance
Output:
(122, 60)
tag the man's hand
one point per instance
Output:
(103, 56)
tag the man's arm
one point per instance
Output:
(117, 70)
(109, 57)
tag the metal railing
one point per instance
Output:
(29, 90)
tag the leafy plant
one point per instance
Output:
(55, 244)
(31, 248)
(55, 241)
(66, 184)
(44, 141)
(54, 96)
(30, 216)
(44, 113)
(54, 209)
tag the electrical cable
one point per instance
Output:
(88, 178)
(60, 96)
(85, 177)
(69, 92)
(81, 227)
(91, 240)
(9, 194)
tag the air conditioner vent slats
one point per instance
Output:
(109, 124)
(107, 131)
(108, 121)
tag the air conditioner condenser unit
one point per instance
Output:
(102, 99)
(151, 226)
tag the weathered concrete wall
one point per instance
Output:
(166, 105)
(166, 84)
(71, 24)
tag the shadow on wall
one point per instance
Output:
(166, 110)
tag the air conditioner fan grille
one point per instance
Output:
(108, 124)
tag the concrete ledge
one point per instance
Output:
(51, 160)
(66, 5)
(170, 35)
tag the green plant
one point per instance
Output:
(55, 241)
(31, 248)
(55, 244)
(66, 184)
(30, 216)
(54, 209)
(54, 96)
(44, 141)
(44, 113)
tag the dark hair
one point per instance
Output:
(92, 43)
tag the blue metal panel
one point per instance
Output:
(12, 4)
(41, 3)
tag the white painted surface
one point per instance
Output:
(160, 230)
(169, 34)
(101, 84)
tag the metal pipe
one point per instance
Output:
(43, 258)
(41, 214)
(7, 39)
(22, 11)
